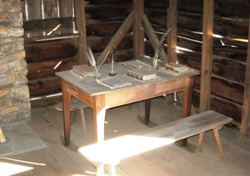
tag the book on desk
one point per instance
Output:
(142, 74)
(84, 70)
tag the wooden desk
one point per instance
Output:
(101, 98)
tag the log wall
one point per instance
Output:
(46, 55)
(229, 53)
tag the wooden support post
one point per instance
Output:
(171, 23)
(207, 51)
(138, 29)
(2, 138)
(119, 35)
(152, 36)
(246, 98)
(81, 26)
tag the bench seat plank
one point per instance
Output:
(113, 150)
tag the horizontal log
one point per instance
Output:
(221, 105)
(49, 68)
(98, 44)
(219, 49)
(103, 12)
(159, 4)
(121, 55)
(223, 67)
(189, 44)
(42, 87)
(48, 23)
(106, 1)
(193, 21)
(227, 90)
(36, 52)
(125, 55)
(229, 69)
(192, 60)
(236, 53)
(48, 33)
(102, 28)
(224, 8)
(221, 88)
(45, 101)
(217, 42)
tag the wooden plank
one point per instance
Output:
(226, 27)
(152, 36)
(43, 87)
(44, 101)
(44, 51)
(81, 26)
(49, 68)
(98, 44)
(206, 65)
(220, 105)
(133, 144)
(138, 29)
(231, 91)
(119, 35)
(172, 23)
(246, 98)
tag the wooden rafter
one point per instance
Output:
(246, 98)
(172, 20)
(119, 35)
(207, 53)
(81, 26)
(152, 36)
(138, 29)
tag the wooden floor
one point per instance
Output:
(55, 159)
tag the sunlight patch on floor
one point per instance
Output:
(122, 147)
(8, 169)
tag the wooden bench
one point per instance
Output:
(111, 152)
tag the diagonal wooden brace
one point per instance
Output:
(119, 35)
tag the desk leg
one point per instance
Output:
(187, 101)
(99, 119)
(187, 97)
(66, 110)
(147, 111)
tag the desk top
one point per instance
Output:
(91, 86)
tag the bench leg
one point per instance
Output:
(100, 170)
(83, 122)
(112, 171)
(218, 142)
(200, 140)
